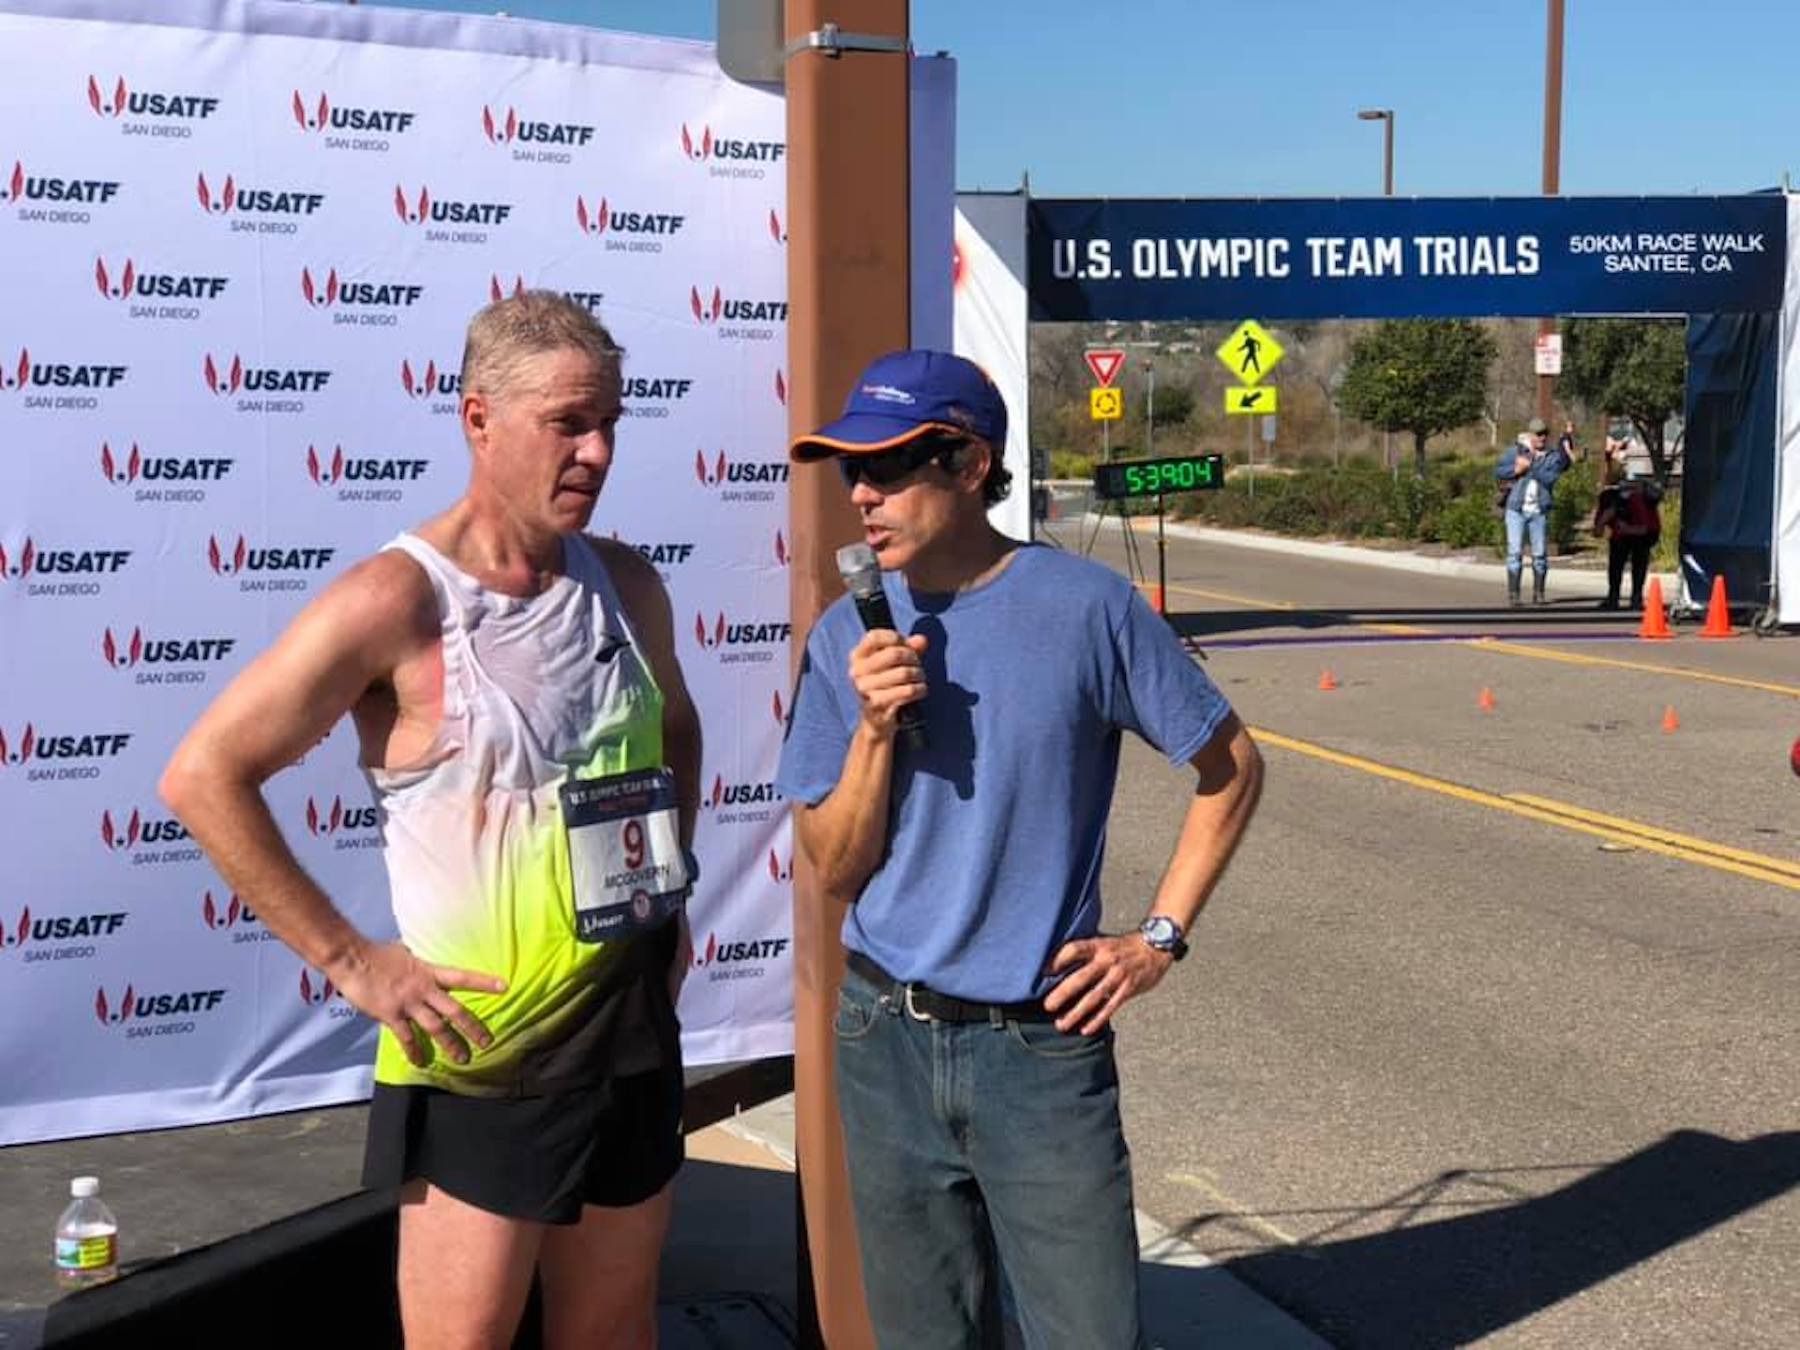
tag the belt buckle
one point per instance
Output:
(912, 1009)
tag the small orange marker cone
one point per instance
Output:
(1655, 626)
(1670, 721)
(1327, 681)
(1486, 700)
(1718, 613)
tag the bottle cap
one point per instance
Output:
(82, 1187)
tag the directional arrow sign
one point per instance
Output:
(1105, 363)
(1244, 402)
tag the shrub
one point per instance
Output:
(1469, 521)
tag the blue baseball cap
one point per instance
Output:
(908, 394)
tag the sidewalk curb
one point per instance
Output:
(1569, 580)
(1213, 1307)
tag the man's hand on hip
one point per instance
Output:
(406, 995)
(1100, 975)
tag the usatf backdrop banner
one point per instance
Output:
(239, 243)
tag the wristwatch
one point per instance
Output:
(1163, 934)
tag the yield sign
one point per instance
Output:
(1105, 363)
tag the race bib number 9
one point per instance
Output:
(625, 855)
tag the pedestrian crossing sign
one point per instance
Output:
(1250, 353)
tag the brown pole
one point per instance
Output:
(1387, 155)
(848, 302)
(1553, 80)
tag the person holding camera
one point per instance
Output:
(1526, 476)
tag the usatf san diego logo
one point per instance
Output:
(743, 803)
(54, 199)
(624, 229)
(49, 570)
(265, 389)
(157, 295)
(60, 386)
(737, 641)
(730, 156)
(347, 127)
(345, 826)
(157, 113)
(359, 303)
(163, 660)
(145, 840)
(60, 755)
(266, 567)
(777, 231)
(655, 396)
(737, 958)
(533, 140)
(256, 209)
(435, 387)
(162, 478)
(741, 480)
(753, 320)
(363, 478)
(160, 1013)
(41, 937)
(449, 220)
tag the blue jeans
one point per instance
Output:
(1518, 524)
(977, 1143)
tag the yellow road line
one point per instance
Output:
(1505, 646)
(1508, 647)
(1761, 860)
(1648, 838)
(1233, 1210)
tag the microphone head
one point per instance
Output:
(858, 566)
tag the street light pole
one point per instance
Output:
(1553, 80)
(1384, 115)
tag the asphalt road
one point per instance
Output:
(1450, 1066)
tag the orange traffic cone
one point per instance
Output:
(1486, 699)
(1655, 626)
(1718, 613)
(1327, 681)
(1670, 721)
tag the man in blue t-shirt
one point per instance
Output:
(975, 1069)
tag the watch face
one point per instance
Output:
(1160, 931)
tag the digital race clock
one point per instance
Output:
(1147, 477)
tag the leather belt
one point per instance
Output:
(927, 1004)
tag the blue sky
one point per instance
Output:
(1199, 98)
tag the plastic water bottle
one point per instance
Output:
(87, 1238)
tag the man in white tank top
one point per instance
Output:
(530, 740)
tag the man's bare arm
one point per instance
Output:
(348, 640)
(844, 837)
(1103, 973)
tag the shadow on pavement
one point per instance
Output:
(1452, 1281)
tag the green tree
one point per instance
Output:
(1633, 367)
(1426, 376)
(1172, 404)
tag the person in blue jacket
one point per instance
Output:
(1528, 472)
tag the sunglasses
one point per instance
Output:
(891, 467)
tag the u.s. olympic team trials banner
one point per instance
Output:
(1400, 257)
(239, 243)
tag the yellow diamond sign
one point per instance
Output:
(1251, 352)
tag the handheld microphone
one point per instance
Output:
(862, 578)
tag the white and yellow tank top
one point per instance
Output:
(536, 691)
